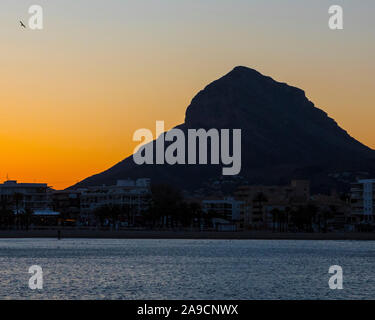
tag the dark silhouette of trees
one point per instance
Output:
(303, 217)
(167, 208)
(28, 214)
(6, 213)
(275, 217)
(17, 198)
(259, 200)
(326, 215)
(166, 203)
(280, 218)
(110, 213)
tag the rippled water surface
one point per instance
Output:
(186, 269)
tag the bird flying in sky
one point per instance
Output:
(22, 25)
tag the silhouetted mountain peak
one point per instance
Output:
(247, 90)
(283, 135)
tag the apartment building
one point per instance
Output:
(67, 202)
(131, 194)
(261, 200)
(227, 208)
(362, 199)
(25, 196)
(226, 214)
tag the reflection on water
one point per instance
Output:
(186, 269)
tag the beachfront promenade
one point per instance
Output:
(150, 234)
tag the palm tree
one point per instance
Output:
(6, 213)
(311, 212)
(165, 204)
(275, 218)
(28, 217)
(260, 199)
(328, 214)
(190, 212)
(287, 211)
(304, 216)
(101, 214)
(17, 198)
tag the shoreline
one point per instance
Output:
(207, 235)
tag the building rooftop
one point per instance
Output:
(14, 183)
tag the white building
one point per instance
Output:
(22, 196)
(126, 194)
(363, 199)
(227, 208)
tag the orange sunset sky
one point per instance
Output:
(72, 95)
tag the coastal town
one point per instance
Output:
(138, 205)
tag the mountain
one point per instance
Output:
(284, 136)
